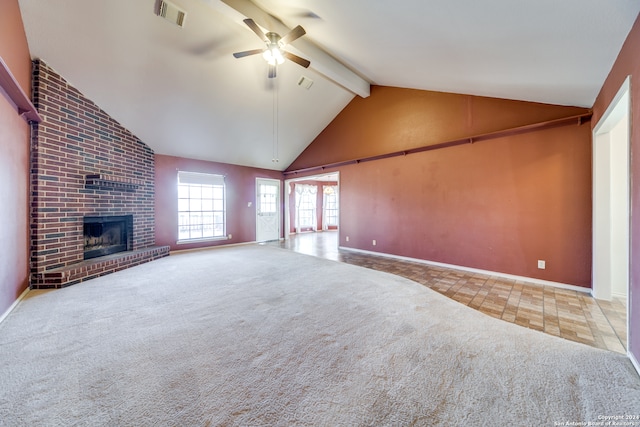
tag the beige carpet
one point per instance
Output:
(257, 336)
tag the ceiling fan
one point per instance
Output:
(274, 53)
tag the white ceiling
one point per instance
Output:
(181, 91)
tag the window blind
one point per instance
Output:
(200, 178)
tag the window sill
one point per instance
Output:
(204, 239)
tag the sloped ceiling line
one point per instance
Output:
(181, 91)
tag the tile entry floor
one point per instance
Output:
(564, 313)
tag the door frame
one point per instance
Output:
(278, 204)
(603, 254)
(287, 190)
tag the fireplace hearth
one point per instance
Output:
(106, 235)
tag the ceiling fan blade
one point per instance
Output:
(254, 27)
(295, 58)
(296, 33)
(247, 53)
(272, 71)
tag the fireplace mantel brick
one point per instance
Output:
(83, 163)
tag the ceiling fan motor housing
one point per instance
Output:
(274, 39)
(274, 53)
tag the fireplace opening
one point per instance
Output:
(105, 235)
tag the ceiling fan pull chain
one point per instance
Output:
(275, 158)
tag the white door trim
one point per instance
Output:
(287, 207)
(278, 206)
(604, 221)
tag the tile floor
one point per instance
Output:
(565, 313)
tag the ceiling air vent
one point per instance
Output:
(171, 12)
(305, 82)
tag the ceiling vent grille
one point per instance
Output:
(171, 12)
(305, 82)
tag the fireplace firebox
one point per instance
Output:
(105, 235)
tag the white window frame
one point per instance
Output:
(325, 208)
(304, 192)
(208, 203)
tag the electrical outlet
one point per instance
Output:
(230, 236)
(541, 264)
(347, 238)
(374, 243)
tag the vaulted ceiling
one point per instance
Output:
(182, 92)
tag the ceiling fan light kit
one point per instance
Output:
(274, 52)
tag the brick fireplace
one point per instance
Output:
(106, 235)
(84, 164)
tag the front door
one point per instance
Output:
(267, 209)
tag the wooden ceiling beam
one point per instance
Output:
(321, 62)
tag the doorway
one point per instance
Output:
(611, 200)
(325, 212)
(267, 209)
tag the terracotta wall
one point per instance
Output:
(241, 190)
(394, 119)
(498, 205)
(14, 162)
(628, 64)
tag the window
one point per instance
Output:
(306, 206)
(268, 194)
(201, 206)
(330, 202)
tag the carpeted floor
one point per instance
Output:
(256, 335)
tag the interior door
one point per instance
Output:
(267, 209)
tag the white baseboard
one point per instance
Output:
(15, 303)
(476, 270)
(634, 361)
(205, 248)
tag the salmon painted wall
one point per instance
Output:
(14, 162)
(628, 64)
(497, 205)
(240, 184)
